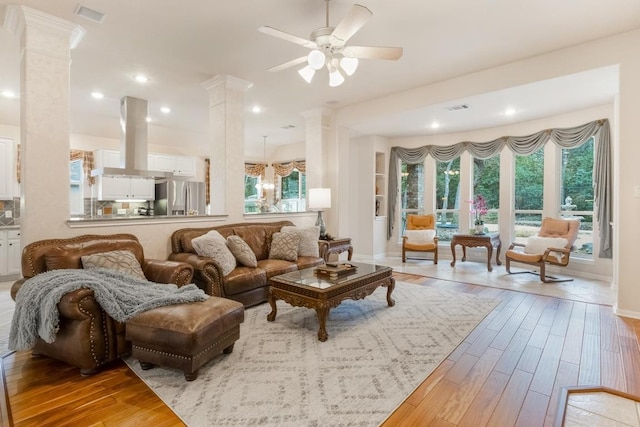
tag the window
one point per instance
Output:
(576, 193)
(76, 194)
(251, 195)
(293, 192)
(486, 181)
(529, 182)
(447, 198)
(411, 191)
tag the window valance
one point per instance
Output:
(285, 169)
(524, 145)
(254, 169)
(87, 163)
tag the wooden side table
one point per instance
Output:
(335, 246)
(489, 241)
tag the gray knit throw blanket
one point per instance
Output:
(120, 295)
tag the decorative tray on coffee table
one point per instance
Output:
(335, 270)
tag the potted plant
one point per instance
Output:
(478, 209)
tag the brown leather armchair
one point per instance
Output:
(88, 338)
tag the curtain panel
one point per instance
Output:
(572, 137)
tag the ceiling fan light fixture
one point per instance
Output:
(307, 73)
(349, 65)
(316, 59)
(335, 78)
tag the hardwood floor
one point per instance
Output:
(508, 372)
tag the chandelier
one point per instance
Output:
(264, 184)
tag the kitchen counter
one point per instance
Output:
(111, 220)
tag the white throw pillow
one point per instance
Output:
(309, 236)
(213, 245)
(537, 245)
(420, 237)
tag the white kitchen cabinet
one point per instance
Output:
(10, 253)
(105, 158)
(7, 170)
(178, 165)
(124, 187)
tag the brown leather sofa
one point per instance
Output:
(244, 284)
(88, 338)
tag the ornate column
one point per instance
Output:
(226, 144)
(45, 43)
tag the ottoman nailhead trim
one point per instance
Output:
(177, 356)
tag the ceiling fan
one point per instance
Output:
(328, 47)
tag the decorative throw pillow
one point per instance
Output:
(284, 246)
(420, 237)
(213, 245)
(537, 245)
(122, 261)
(309, 236)
(241, 250)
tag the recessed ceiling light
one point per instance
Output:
(509, 111)
(256, 109)
(141, 78)
(435, 125)
(9, 94)
(97, 95)
(165, 110)
(148, 119)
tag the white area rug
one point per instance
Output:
(279, 374)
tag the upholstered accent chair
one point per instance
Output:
(551, 246)
(420, 236)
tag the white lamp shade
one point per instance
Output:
(316, 59)
(319, 198)
(307, 73)
(349, 65)
(335, 78)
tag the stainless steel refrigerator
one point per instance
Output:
(179, 197)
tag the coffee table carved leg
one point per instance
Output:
(323, 313)
(489, 254)
(464, 252)
(498, 262)
(390, 287)
(274, 310)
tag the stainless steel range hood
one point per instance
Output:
(133, 142)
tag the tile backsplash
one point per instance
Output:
(10, 212)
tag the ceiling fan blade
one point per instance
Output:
(358, 16)
(288, 37)
(370, 52)
(288, 64)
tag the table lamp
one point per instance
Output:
(320, 198)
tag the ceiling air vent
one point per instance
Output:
(458, 107)
(288, 127)
(92, 15)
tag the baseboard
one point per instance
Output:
(625, 313)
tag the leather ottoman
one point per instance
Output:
(185, 336)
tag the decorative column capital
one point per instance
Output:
(18, 18)
(226, 81)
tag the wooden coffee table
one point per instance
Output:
(304, 289)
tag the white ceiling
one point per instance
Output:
(179, 45)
